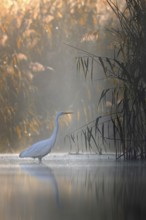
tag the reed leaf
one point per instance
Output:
(102, 64)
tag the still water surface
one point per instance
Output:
(72, 188)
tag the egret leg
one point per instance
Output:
(40, 160)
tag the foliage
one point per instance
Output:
(125, 125)
(30, 33)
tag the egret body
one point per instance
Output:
(43, 147)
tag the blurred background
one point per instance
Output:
(38, 70)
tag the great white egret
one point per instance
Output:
(43, 147)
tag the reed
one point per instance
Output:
(125, 126)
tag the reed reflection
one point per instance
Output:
(105, 191)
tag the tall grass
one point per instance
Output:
(125, 126)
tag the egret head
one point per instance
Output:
(63, 113)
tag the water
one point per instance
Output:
(72, 187)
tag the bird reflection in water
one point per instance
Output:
(45, 174)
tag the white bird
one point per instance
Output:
(43, 147)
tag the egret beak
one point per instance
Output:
(67, 113)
